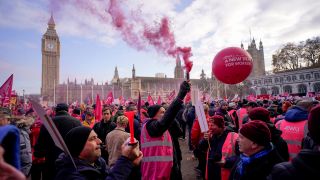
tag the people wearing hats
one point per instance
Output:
(156, 143)
(85, 149)
(45, 147)
(260, 113)
(249, 106)
(223, 111)
(89, 119)
(258, 155)
(222, 146)
(294, 126)
(232, 112)
(115, 139)
(306, 164)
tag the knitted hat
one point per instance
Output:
(76, 139)
(257, 131)
(314, 124)
(5, 112)
(152, 110)
(217, 120)
(259, 113)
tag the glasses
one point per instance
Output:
(106, 113)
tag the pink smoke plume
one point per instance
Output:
(160, 37)
(132, 27)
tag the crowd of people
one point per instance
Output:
(262, 139)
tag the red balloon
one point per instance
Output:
(232, 65)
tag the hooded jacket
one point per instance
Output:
(296, 114)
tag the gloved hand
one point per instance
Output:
(184, 89)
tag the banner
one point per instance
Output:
(6, 88)
(201, 116)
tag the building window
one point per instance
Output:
(275, 90)
(263, 91)
(281, 79)
(302, 88)
(308, 76)
(288, 78)
(255, 82)
(287, 89)
(259, 81)
(316, 87)
(316, 75)
(276, 80)
(301, 77)
(294, 78)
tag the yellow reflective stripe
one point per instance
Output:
(157, 159)
(156, 143)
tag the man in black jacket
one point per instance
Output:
(84, 147)
(306, 164)
(45, 146)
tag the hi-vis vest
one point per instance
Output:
(293, 133)
(157, 158)
(241, 113)
(228, 150)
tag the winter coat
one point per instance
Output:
(279, 143)
(85, 171)
(305, 165)
(45, 146)
(103, 128)
(296, 114)
(257, 168)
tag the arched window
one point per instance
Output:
(316, 75)
(287, 89)
(288, 78)
(275, 90)
(294, 78)
(263, 91)
(316, 87)
(302, 88)
(301, 77)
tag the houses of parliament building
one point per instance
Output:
(127, 87)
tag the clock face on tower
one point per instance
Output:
(50, 46)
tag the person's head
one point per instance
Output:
(5, 115)
(254, 136)
(232, 105)
(122, 121)
(89, 116)
(84, 143)
(216, 125)
(132, 107)
(259, 113)
(61, 107)
(305, 104)
(250, 106)
(224, 105)
(76, 111)
(107, 114)
(314, 124)
(206, 108)
(156, 111)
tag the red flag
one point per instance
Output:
(187, 99)
(139, 105)
(172, 95)
(159, 100)
(5, 89)
(130, 116)
(150, 100)
(109, 98)
(98, 109)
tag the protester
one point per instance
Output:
(260, 113)
(222, 145)
(258, 155)
(156, 143)
(84, 146)
(306, 164)
(89, 119)
(294, 126)
(115, 139)
(45, 146)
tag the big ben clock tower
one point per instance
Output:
(50, 48)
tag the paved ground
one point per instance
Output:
(188, 163)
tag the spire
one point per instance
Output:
(242, 45)
(133, 72)
(202, 75)
(178, 61)
(260, 45)
(51, 21)
(253, 43)
(115, 76)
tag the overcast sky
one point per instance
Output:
(91, 47)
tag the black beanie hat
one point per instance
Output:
(76, 139)
(62, 107)
(257, 131)
(152, 110)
